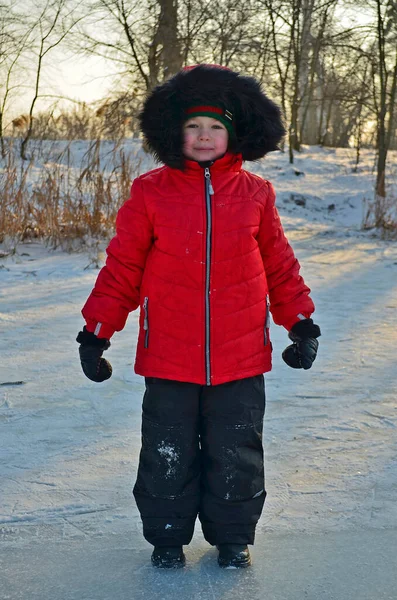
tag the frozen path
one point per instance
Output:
(69, 528)
(359, 565)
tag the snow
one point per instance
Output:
(171, 456)
(69, 448)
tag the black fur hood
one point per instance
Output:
(258, 122)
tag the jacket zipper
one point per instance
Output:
(146, 320)
(267, 322)
(209, 191)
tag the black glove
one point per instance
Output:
(302, 353)
(91, 349)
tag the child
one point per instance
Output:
(199, 247)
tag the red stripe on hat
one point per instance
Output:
(212, 109)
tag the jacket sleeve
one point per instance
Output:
(288, 294)
(116, 291)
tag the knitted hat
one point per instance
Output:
(222, 115)
(256, 125)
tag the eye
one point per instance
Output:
(191, 126)
(217, 127)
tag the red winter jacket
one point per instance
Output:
(203, 254)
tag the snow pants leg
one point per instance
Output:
(201, 455)
(167, 489)
(232, 478)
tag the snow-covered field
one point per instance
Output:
(69, 527)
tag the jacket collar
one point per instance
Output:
(227, 162)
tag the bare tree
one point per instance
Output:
(385, 84)
(226, 35)
(343, 93)
(165, 50)
(13, 42)
(193, 16)
(297, 36)
(141, 40)
(314, 65)
(54, 23)
(318, 41)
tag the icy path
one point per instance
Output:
(336, 566)
(69, 528)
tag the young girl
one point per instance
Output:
(199, 247)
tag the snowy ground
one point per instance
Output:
(69, 528)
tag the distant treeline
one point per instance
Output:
(331, 64)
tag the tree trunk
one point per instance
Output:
(296, 45)
(3, 149)
(305, 46)
(380, 187)
(165, 53)
(172, 53)
(307, 107)
(293, 129)
(36, 95)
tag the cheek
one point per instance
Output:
(222, 141)
(188, 138)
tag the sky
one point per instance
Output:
(84, 78)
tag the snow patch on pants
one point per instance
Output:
(170, 454)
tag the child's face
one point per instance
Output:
(204, 138)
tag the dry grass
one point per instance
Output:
(59, 202)
(381, 214)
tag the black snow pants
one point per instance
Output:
(201, 455)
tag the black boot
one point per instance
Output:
(168, 557)
(235, 556)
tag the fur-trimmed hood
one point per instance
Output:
(258, 122)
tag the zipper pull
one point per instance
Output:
(267, 321)
(207, 175)
(267, 312)
(145, 319)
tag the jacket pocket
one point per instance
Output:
(267, 322)
(146, 320)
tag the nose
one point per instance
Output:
(204, 134)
